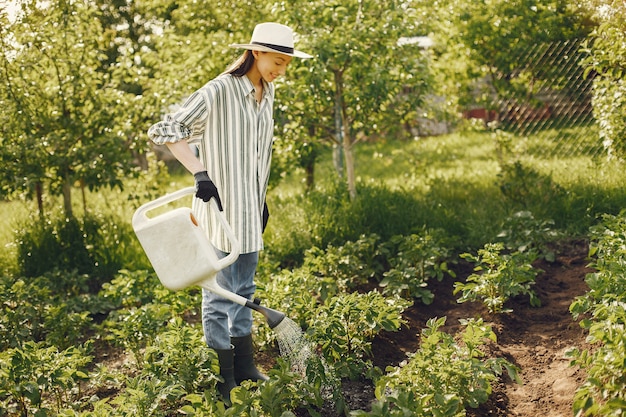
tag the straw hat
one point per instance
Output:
(272, 37)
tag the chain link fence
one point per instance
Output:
(555, 114)
(546, 102)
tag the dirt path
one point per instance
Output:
(534, 339)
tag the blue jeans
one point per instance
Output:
(222, 318)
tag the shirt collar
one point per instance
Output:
(248, 88)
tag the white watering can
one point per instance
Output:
(181, 253)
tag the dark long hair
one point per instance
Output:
(241, 65)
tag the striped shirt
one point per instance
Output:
(234, 134)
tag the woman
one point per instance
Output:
(231, 120)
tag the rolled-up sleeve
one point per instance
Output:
(184, 124)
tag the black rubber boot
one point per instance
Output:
(245, 369)
(227, 372)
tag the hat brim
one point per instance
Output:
(255, 47)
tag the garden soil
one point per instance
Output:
(535, 339)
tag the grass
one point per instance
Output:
(452, 182)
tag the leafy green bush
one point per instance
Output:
(49, 307)
(377, 210)
(606, 58)
(604, 308)
(45, 244)
(96, 245)
(284, 393)
(323, 274)
(521, 232)
(604, 391)
(415, 259)
(501, 277)
(525, 188)
(179, 352)
(443, 377)
(121, 326)
(40, 380)
(346, 267)
(346, 324)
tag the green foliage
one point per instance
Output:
(50, 307)
(180, 354)
(41, 380)
(378, 210)
(97, 246)
(443, 377)
(137, 300)
(343, 268)
(122, 326)
(604, 310)
(603, 392)
(343, 94)
(501, 276)
(346, 324)
(277, 397)
(527, 189)
(609, 106)
(64, 123)
(523, 233)
(136, 288)
(486, 39)
(414, 260)
(606, 58)
(606, 248)
(146, 395)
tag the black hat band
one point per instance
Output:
(283, 49)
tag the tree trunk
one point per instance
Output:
(349, 157)
(84, 195)
(343, 134)
(39, 196)
(338, 148)
(67, 198)
(310, 175)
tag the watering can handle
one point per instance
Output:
(140, 214)
(140, 217)
(234, 243)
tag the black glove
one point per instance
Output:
(205, 189)
(266, 215)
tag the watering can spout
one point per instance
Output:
(273, 317)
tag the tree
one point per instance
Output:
(607, 49)
(482, 40)
(65, 109)
(361, 82)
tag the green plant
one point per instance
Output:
(45, 244)
(527, 188)
(38, 379)
(443, 377)
(284, 391)
(346, 324)
(603, 309)
(604, 391)
(135, 327)
(343, 268)
(180, 353)
(287, 392)
(146, 395)
(501, 277)
(97, 246)
(46, 307)
(522, 232)
(415, 259)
